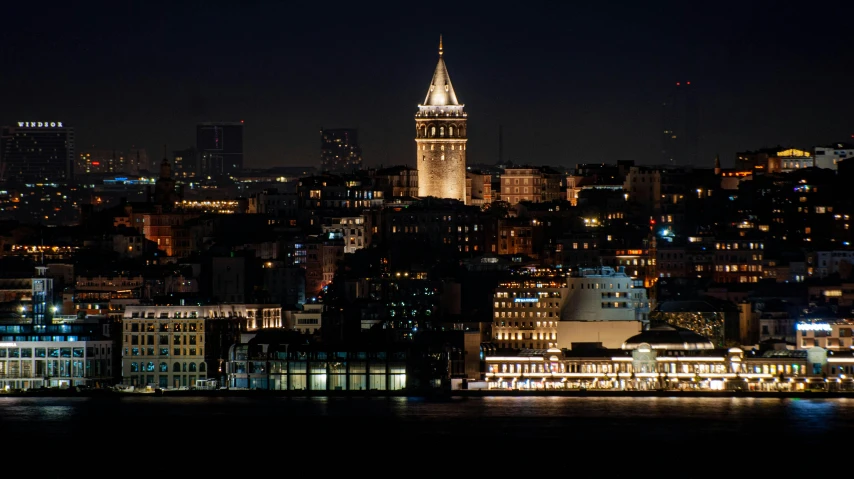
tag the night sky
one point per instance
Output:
(570, 84)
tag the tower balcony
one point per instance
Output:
(452, 111)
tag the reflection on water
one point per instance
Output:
(595, 420)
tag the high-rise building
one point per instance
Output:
(138, 159)
(441, 138)
(680, 126)
(37, 151)
(220, 147)
(101, 160)
(186, 163)
(339, 150)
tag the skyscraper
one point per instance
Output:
(220, 148)
(37, 151)
(339, 150)
(441, 138)
(680, 126)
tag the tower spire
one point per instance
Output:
(440, 44)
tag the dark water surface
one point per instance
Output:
(219, 434)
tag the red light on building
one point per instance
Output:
(96, 163)
(677, 83)
(687, 83)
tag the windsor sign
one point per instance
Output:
(40, 124)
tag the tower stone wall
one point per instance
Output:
(441, 145)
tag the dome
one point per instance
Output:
(664, 336)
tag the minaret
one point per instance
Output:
(440, 138)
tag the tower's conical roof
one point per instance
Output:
(441, 92)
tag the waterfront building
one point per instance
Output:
(173, 346)
(55, 355)
(277, 360)
(551, 310)
(667, 358)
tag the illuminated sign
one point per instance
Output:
(813, 327)
(526, 300)
(40, 124)
(8, 345)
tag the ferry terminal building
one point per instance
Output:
(666, 357)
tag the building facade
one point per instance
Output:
(220, 148)
(667, 358)
(55, 355)
(440, 139)
(262, 362)
(173, 346)
(37, 151)
(340, 151)
(526, 312)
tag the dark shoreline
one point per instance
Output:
(436, 395)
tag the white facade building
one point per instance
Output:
(603, 306)
(36, 364)
(829, 156)
(349, 229)
(309, 320)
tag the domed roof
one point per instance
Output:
(664, 336)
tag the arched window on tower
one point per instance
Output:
(450, 131)
(441, 131)
(432, 131)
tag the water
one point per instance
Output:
(221, 433)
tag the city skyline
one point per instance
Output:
(565, 84)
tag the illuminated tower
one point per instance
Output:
(440, 138)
